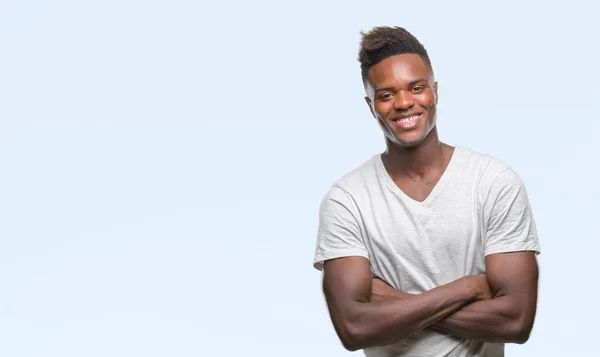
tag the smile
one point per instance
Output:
(407, 122)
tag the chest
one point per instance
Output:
(417, 246)
(417, 190)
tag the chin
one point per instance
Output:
(404, 142)
(408, 145)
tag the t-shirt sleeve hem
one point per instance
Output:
(320, 259)
(513, 248)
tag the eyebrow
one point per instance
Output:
(410, 84)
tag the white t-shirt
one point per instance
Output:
(478, 207)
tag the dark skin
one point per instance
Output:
(499, 306)
(362, 321)
(507, 317)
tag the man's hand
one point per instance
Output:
(508, 317)
(382, 291)
(480, 286)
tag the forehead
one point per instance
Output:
(399, 69)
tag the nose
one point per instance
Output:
(403, 100)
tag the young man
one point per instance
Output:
(426, 249)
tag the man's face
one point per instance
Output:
(402, 96)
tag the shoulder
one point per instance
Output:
(357, 180)
(482, 162)
(487, 168)
(494, 178)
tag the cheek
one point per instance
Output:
(427, 100)
(382, 109)
(432, 105)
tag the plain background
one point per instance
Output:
(162, 163)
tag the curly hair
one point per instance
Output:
(383, 42)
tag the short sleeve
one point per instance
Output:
(510, 223)
(339, 234)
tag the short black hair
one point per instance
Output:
(383, 42)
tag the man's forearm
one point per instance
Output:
(492, 320)
(362, 321)
(378, 323)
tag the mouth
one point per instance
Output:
(407, 121)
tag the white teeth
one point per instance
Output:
(409, 119)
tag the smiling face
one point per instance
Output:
(402, 96)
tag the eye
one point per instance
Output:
(385, 96)
(417, 89)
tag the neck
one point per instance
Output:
(416, 161)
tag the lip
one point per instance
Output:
(406, 125)
(405, 116)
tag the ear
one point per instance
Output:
(369, 103)
(435, 92)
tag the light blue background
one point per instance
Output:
(162, 163)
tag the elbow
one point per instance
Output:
(522, 336)
(352, 336)
(521, 332)
(350, 345)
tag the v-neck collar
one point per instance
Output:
(446, 175)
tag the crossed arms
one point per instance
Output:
(499, 306)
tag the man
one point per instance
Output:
(426, 249)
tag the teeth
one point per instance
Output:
(409, 119)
